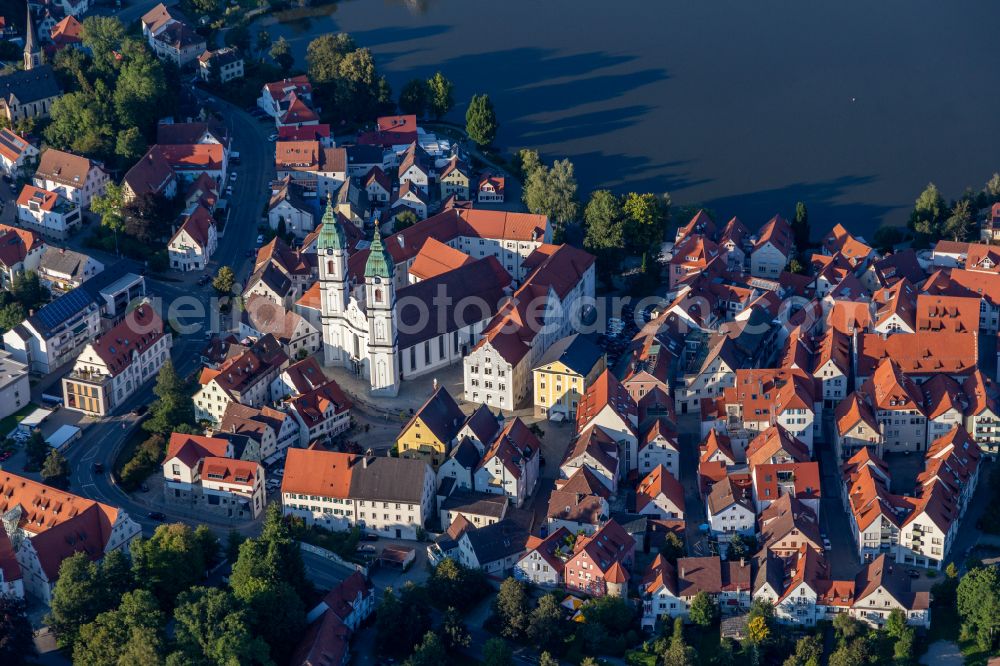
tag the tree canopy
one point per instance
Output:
(481, 120)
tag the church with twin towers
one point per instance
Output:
(432, 294)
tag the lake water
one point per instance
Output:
(746, 106)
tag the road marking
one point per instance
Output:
(89, 455)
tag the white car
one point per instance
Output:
(273, 137)
(260, 239)
(232, 176)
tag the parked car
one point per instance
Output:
(232, 176)
(368, 536)
(97, 468)
(827, 545)
(156, 515)
(140, 410)
(913, 573)
(204, 279)
(365, 548)
(260, 239)
(273, 137)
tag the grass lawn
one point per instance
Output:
(8, 424)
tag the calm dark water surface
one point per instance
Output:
(744, 105)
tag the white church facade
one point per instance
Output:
(383, 325)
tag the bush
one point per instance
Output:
(145, 461)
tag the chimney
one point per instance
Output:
(232, 428)
(682, 572)
(434, 383)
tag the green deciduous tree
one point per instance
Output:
(360, 89)
(80, 594)
(552, 192)
(139, 90)
(11, 315)
(430, 652)
(17, 644)
(110, 206)
(512, 608)
(82, 122)
(452, 584)
(36, 449)
(440, 95)
(673, 547)
(130, 145)
(497, 652)
(103, 36)
(211, 628)
(808, 652)
(134, 627)
(173, 404)
(323, 56)
(224, 280)
(149, 216)
(413, 97)
(546, 659)
(481, 120)
(992, 188)
(55, 470)
(929, 213)
(281, 53)
(645, 222)
(800, 226)
(961, 223)
(454, 633)
(404, 220)
(846, 626)
(263, 41)
(978, 603)
(28, 290)
(259, 580)
(401, 622)
(703, 609)
(678, 652)
(605, 229)
(547, 624)
(170, 561)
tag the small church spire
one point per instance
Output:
(332, 236)
(380, 263)
(32, 49)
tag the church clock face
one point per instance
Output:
(329, 251)
(378, 280)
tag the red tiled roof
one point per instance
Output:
(61, 523)
(44, 199)
(197, 225)
(316, 472)
(920, 353)
(188, 157)
(192, 448)
(228, 470)
(138, 331)
(659, 482)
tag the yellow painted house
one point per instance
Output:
(429, 434)
(563, 375)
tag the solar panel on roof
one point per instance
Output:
(63, 308)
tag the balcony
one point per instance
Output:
(89, 377)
